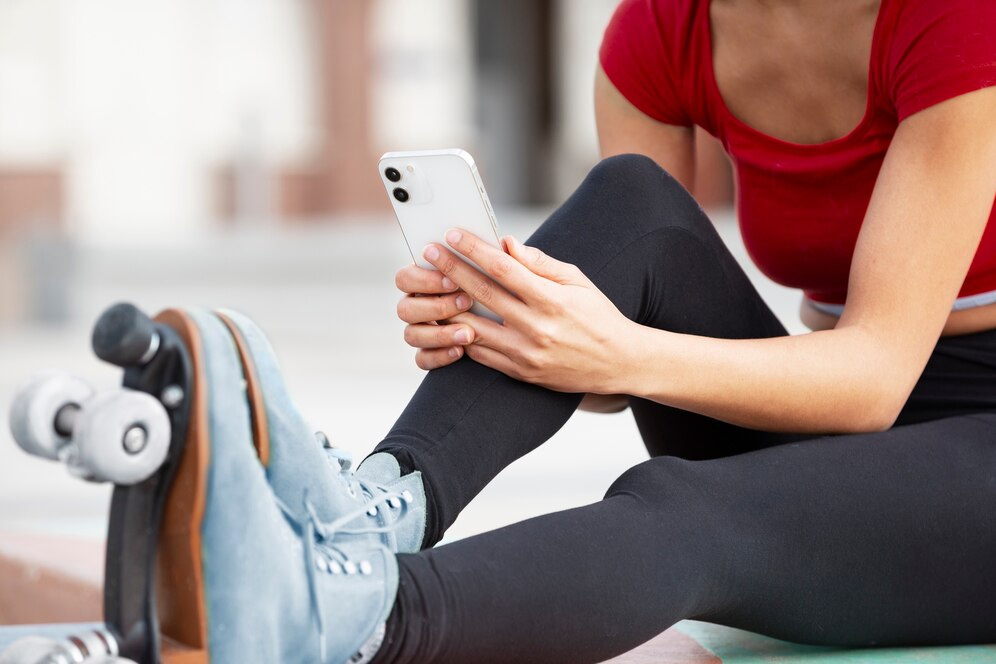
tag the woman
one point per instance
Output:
(864, 139)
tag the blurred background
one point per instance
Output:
(223, 153)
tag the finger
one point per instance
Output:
(415, 279)
(438, 336)
(540, 263)
(480, 287)
(501, 338)
(423, 309)
(494, 360)
(501, 267)
(436, 358)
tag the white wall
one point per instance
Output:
(580, 24)
(424, 78)
(32, 116)
(142, 100)
(423, 74)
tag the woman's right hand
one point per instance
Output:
(430, 301)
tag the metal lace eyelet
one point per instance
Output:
(366, 568)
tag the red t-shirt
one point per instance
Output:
(801, 206)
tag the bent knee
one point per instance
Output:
(631, 165)
(632, 172)
(660, 479)
(624, 199)
(641, 190)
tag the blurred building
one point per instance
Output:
(127, 121)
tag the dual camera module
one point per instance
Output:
(394, 175)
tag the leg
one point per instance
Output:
(873, 539)
(648, 246)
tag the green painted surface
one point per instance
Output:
(735, 646)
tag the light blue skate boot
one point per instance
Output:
(297, 462)
(382, 470)
(280, 583)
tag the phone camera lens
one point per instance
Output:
(392, 174)
(401, 195)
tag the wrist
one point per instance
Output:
(633, 352)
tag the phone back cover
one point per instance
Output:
(445, 193)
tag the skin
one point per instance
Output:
(929, 208)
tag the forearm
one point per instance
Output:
(833, 381)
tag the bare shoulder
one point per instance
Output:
(623, 128)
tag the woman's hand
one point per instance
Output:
(559, 330)
(430, 300)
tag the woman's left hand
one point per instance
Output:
(559, 330)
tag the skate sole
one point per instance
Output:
(181, 602)
(254, 391)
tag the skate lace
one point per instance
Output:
(357, 487)
(319, 545)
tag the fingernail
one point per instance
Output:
(431, 252)
(454, 353)
(463, 302)
(453, 236)
(448, 284)
(461, 337)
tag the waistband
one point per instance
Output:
(967, 302)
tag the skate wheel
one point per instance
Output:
(121, 437)
(40, 416)
(34, 650)
(90, 647)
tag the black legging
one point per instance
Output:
(880, 538)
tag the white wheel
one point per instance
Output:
(39, 403)
(36, 650)
(93, 647)
(121, 437)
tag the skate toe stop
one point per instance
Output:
(124, 336)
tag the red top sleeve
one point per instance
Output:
(641, 62)
(940, 49)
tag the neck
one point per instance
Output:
(782, 4)
(804, 7)
(800, 4)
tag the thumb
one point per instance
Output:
(542, 264)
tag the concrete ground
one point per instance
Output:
(326, 297)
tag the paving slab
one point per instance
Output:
(50, 586)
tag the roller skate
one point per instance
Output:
(298, 458)
(206, 562)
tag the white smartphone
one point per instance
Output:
(435, 190)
